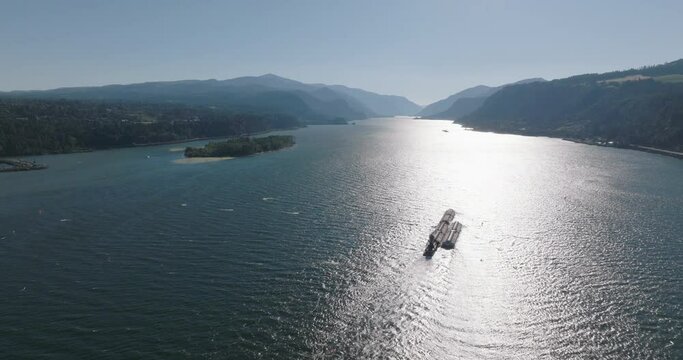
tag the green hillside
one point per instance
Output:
(633, 107)
(29, 127)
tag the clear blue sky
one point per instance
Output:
(424, 49)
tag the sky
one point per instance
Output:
(423, 49)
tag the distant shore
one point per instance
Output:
(596, 142)
(653, 150)
(675, 154)
(159, 143)
(200, 160)
(227, 137)
(180, 141)
(171, 142)
(10, 164)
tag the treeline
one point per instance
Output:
(241, 147)
(29, 127)
(674, 67)
(645, 112)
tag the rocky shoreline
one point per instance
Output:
(11, 165)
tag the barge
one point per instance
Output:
(445, 234)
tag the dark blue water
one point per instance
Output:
(568, 250)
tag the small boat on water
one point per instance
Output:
(444, 130)
(444, 235)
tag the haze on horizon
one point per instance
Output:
(423, 50)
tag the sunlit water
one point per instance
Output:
(568, 250)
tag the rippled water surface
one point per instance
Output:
(568, 250)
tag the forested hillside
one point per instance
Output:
(310, 103)
(56, 126)
(465, 101)
(634, 107)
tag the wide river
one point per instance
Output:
(567, 251)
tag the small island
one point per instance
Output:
(9, 165)
(241, 147)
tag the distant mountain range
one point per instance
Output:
(311, 103)
(637, 107)
(465, 101)
(642, 107)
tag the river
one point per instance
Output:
(567, 251)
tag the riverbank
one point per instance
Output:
(12, 165)
(160, 143)
(678, 155)
(228, 137)
(653, 150)
(597, 142)
(200, 160)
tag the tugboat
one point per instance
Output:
(444, 235)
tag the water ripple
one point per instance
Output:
(568, 251)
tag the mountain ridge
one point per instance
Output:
(268, 92)
(635, 107)
(436, 108)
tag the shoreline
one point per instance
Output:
(678, 155)
(200, 160)
(227, 137)
(20, 165)
(134, 145)
(648, 149)
(652, 150)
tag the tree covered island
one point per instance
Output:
(241, 147)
